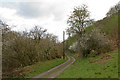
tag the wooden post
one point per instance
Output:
(63, 45)
(1, 27)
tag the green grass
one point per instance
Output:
(84, 69)
(43, 66)
(56, 70)
(109, 25)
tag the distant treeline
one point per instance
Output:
(27, 48)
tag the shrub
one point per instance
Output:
(92, 53)
(23, 49)
(95, 40)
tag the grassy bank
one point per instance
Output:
(40, 67)
(102, 66)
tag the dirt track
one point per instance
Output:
(54, 72)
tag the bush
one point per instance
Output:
(95, 40)
(93, 53)
(23, 49)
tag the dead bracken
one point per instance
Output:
(102, 59)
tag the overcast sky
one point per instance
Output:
(49, 14)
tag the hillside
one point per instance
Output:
(108, 25)
(102, 66)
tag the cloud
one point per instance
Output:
(33, 10)
(41, 9)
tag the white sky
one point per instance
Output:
(49, 14)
